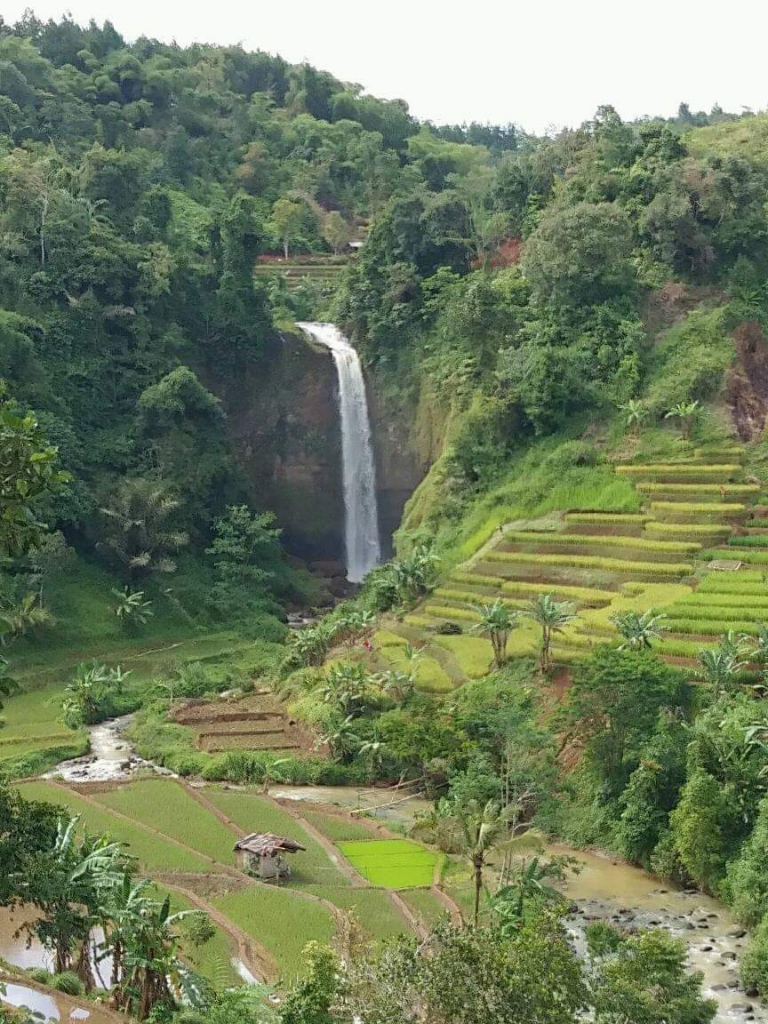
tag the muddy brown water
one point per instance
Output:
(606, 890)
(603, 889)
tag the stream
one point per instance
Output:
(604, 889)
(112, 758)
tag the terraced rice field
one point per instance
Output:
(394, 863)
(696, 510)
(185, 838)
(323, 270)
(255, 722)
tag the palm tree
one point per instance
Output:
(18, 619)
(76, 872)
(471, 829)
(530, 882)
(153, 970)
(119, 911)
(346, 687)
(637, 631)
(636, 413)
(756, 736)
(687, 413)
(553, 616)
(496, 622)
(397, 685)
(342, 739)
(138, 530)
(721, 666)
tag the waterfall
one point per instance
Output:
(361, 519)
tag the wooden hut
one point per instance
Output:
(261, 854)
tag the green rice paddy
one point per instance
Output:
(394, 863)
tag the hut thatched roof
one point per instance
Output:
(267, 843)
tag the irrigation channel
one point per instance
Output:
(362, 545)
(602, 890)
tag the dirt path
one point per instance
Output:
(457, 918)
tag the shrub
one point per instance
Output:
(40, 974)
(68, 983)
(754, 961)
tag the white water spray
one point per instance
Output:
(361, 520)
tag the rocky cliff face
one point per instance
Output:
(400, 464)
(284, 420)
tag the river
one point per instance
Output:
(604, 889)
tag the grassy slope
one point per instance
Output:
(163, 805)
(280, 921)
(154, 853)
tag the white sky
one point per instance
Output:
(539, 64)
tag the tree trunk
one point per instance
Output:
(546, 640)
(84, 968)
(285, 247)
(478, 865)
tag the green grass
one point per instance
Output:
(473, 654)
(373, 910)
(253, 813)
(715, 627)
(441, 611)
(755, 540)
(736, 555)
(337, 829)
(153, 853)
(476, 579)
(281, 921)
(394, 863)
(708, 471)
(162, 804)
(689, 529)
(425, 905)
(607, 518)
(214, 958)
(584, 595)
(593, 562)
(428, 674)
(698, 508)
(729, 488)
(385, 638)
(589, 540)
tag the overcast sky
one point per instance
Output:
(539, 64)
